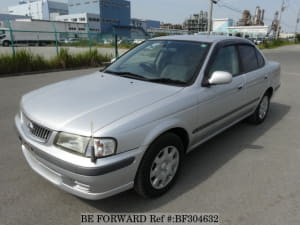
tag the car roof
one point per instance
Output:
(200, 38)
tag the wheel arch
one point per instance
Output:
(269, 92)
(180, 131)
(182, 134)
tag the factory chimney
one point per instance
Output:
(262, 16)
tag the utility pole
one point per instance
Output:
(210, 13)
(279, 20)
(297, 22)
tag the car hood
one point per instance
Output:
(99, 98)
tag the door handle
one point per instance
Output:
(240, 87)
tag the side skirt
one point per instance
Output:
(206, 138)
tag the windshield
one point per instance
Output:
(162, 61)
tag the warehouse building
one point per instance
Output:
(167, 31)
(102, 16)
(5, 16)
(249, 31)
(93, 20)
(41, 32)
(145, 24)
(220, 26)
(39, 9)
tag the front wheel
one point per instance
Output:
(261, 111)
(160, 166)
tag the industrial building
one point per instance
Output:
(259, 17)
(252, 26)
(39, 9)
(112, 13)
(249, 20)
(197, 23)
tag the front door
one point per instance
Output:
(220, 105)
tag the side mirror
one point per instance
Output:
(113, 60)
(220, 77)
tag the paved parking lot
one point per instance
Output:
(250, 175)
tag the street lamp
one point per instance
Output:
(212, 2)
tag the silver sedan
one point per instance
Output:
(130, 125)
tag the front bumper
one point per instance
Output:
(78, 175)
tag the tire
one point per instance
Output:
(160, 166)
(261, 111)
(6, 43)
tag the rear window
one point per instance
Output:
(248, 58)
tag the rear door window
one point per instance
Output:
(248, 58)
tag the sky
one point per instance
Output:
(176, 11)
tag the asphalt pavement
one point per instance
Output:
(250, 175)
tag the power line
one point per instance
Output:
(291, 6)
(287, 25)
(230, 8)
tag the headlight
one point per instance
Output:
(104, 147)
(72, 142)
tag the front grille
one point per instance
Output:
(36, 130)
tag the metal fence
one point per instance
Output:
(15, 35)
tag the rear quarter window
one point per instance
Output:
(260, 59)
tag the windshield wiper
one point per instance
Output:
(126, 74)
(167, 81)
(139, 77)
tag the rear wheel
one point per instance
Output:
(160, 166)
(261, 111)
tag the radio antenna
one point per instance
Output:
(93, 157)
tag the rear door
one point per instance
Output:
(256, 78)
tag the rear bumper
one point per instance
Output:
(106, 177)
